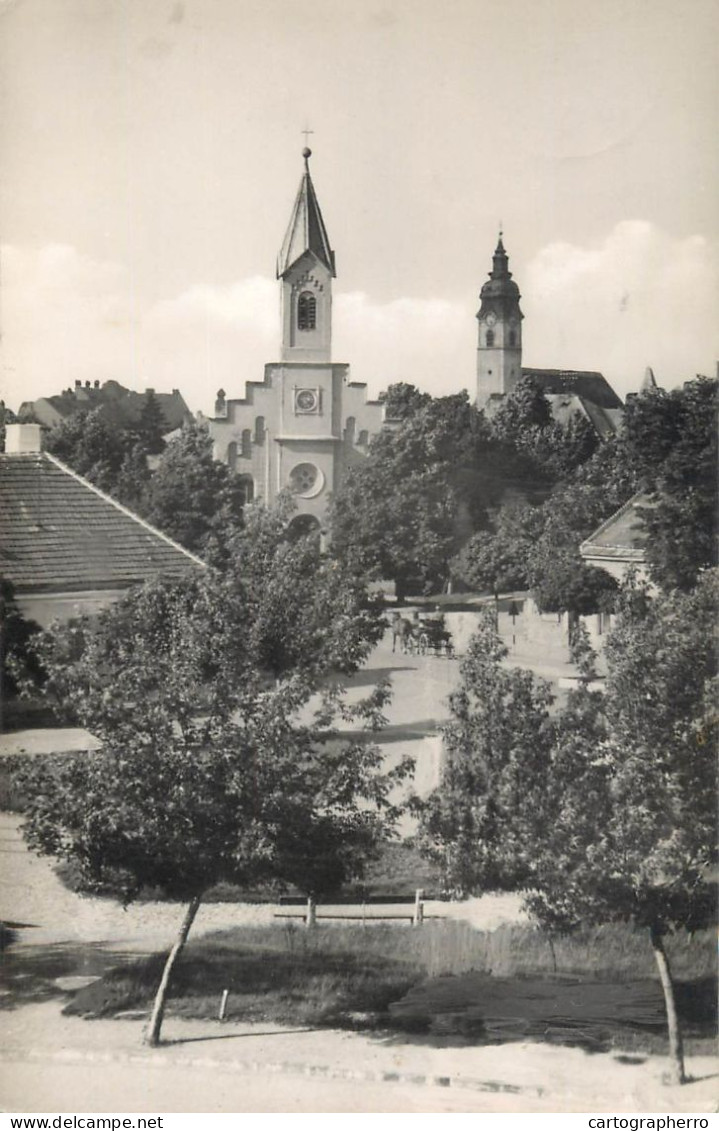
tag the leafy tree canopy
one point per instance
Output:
(424, 488)
(221, 757)
(605, 811)
(193, 497)
(402, 400)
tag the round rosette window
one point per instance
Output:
(306, 480)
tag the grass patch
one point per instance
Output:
(443, 980)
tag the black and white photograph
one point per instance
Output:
(359, 582)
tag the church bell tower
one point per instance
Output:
(305, 268)
(499, 346)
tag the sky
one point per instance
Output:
(151, 151)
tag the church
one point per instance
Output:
(306, 422)
(499, 360)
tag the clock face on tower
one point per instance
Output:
(307, 401)
(491, 318)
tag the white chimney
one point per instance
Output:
(22, 439)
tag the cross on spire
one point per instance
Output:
(306, 132)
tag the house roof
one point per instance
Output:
(622, 536)
(306, 231)
(59, 533)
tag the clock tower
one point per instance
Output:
(306, 422)
(499, 346)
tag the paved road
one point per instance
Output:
(57, 1063)
(71, 1088)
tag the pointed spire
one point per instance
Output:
(500, 261)
(306, 231)
(649, 382)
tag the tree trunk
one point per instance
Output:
(152, 1035)
(676, 1047)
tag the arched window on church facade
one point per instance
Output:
(246, 443)
(490, 337)
(248, 486)
(259, 429)
(232, 456)
(306, 311)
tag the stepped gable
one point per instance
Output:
(57, 531)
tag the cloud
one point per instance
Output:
(64, 316)
(428, 342)
(641, 297)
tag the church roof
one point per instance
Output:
(306, 231)
(60, 533)
(584, 383)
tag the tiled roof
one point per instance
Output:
(587, 384)
(623, 535)
(59, 533)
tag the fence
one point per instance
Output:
(312, 912)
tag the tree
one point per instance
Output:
(525, 407)
(405, 511)
(17, 659)
(499, 558)
(152, 425)
(613, 818)
(402, 400)
(91, 446)
(214, 764)
(497, 749)
(194, 498)
(670, 441)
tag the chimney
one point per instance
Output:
(87, 384)
(78, 383)
(23, 439)
(97, 384)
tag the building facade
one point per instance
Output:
(306, 422)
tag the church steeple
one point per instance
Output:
(306, 231)
(499, 347)
(305, 268)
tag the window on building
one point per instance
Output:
(232, 456)
(246, 448)
(259, 429)
(490, 337)
(512, 337)
(248, 487)
(306, 311)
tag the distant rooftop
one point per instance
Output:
(118, 405)
(584, 383)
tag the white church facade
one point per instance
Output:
(301, 426)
